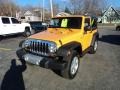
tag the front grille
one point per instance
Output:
(39, 47)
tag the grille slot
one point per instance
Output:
(39, 47)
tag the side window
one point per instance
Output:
(14, 21)
(54, 22)
(5, 20)
(87, 22)
(94, 23)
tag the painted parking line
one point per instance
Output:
(5, 49)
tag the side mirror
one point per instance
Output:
(87, 28)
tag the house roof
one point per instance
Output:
(27, 13)
(30, 13)
(118, 12)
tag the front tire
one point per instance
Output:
(72, 66)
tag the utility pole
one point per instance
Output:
(41, 14)
(10, 7)
(51, 5)
(43, 10)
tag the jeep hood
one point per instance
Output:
(56, 35)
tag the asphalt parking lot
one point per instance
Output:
(100, 71)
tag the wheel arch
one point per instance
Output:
(27, 28)
(95, 36)
(65, 49)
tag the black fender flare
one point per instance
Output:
(66, 49)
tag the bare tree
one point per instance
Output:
(67, 10)
(8, 8)
(93, 6)
(76, 6)
(56, 9)
(87, 6)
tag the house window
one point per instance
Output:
(22, 17)
(29, 18)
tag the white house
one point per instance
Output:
(31, 16)
(111, 16)
(28, 16)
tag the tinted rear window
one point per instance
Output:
(5, 20)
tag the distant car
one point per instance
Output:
(37, 26)
(10, 26)
(118, 27)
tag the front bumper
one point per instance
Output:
(45, 62)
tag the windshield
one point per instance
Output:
(67, 22)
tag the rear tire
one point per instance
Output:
(1, 37)
(94, 47)
(27, 32)
(117, 28)
(72, 66)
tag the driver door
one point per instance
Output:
(87, 37)
(17, 27)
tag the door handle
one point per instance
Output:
(91, 31)
(85, 32)
(4, 25)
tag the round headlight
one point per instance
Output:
(52, 48)
(25, 44)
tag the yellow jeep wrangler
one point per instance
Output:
(62, 44)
